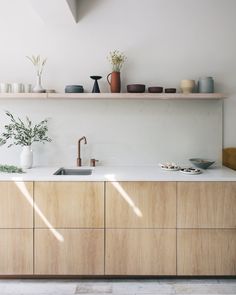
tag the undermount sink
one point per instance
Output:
(73, 171)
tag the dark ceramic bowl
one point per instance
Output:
(74, 89)
(201, 163)
(170, 90)
(136, 88)
(155, 89)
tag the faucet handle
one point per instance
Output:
(93, 162)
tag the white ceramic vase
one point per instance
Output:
(38, 87)
(26, 157)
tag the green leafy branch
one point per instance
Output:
(10, 169)
(24, 133)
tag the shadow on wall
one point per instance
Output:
(84, 7)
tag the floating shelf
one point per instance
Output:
(136, 96)
(23, 96)
(115, 96)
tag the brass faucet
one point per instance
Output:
(93, 162)
(79, 160)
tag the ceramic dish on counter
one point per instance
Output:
(201, 163)
(169, 167)
(190, 171)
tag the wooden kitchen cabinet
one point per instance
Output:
(141, 205)
(75, 243)
(206, 252)
(16, 251)
(206, 205)
(70, 204)
(69, 252)
(16, 209)
(118, 228)
(140, 252)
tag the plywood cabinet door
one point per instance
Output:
(140, 252)
(69, 204)
(206, 205)
(69, 252)
(140, 204)
(206, 252)
(16, 204)
(16, 251)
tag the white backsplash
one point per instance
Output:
(165, 41)
(121, 132)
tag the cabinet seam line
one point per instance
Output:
(33, 230)
(176, 198)
(104, 196)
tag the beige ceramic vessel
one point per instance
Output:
(187, 86)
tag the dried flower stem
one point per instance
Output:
(38, 63)
(117, 60)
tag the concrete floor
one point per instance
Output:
(118, 287)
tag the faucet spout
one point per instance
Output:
(79, 160)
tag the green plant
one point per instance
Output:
(24, 133)
(117, 60)
(10, 169)
(38, 62)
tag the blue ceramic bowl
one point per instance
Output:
(74, 89)
(201, 163)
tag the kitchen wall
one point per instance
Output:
(165, 41)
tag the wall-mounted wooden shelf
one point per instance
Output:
(19, 96)
(136, 96)
(115, 96)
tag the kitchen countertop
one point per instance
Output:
(122, 173)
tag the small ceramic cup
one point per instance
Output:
(4, 87)
(27, 88)
(187, 86)
(17, 87)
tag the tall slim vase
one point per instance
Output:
(26, 157)
(38, 87)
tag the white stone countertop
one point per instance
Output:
(122, 173)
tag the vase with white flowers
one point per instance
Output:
(39, 64)
(117, 60)
(24, 133)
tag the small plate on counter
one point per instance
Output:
(169, 167)
(191, 171)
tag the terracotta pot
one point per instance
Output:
(114, 83)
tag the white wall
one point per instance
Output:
(165, 41)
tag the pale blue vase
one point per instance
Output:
(206, 85)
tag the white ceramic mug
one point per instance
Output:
(187, 86)
(4, 87)
(27, 88)
(16, 87)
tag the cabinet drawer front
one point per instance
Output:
(206, 205)
(70, 204)
(69, 252)
(140, 204)
(140, 252)
(206, 252)
(16, 251)
(16, 209)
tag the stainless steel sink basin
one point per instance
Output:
(70, 171)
